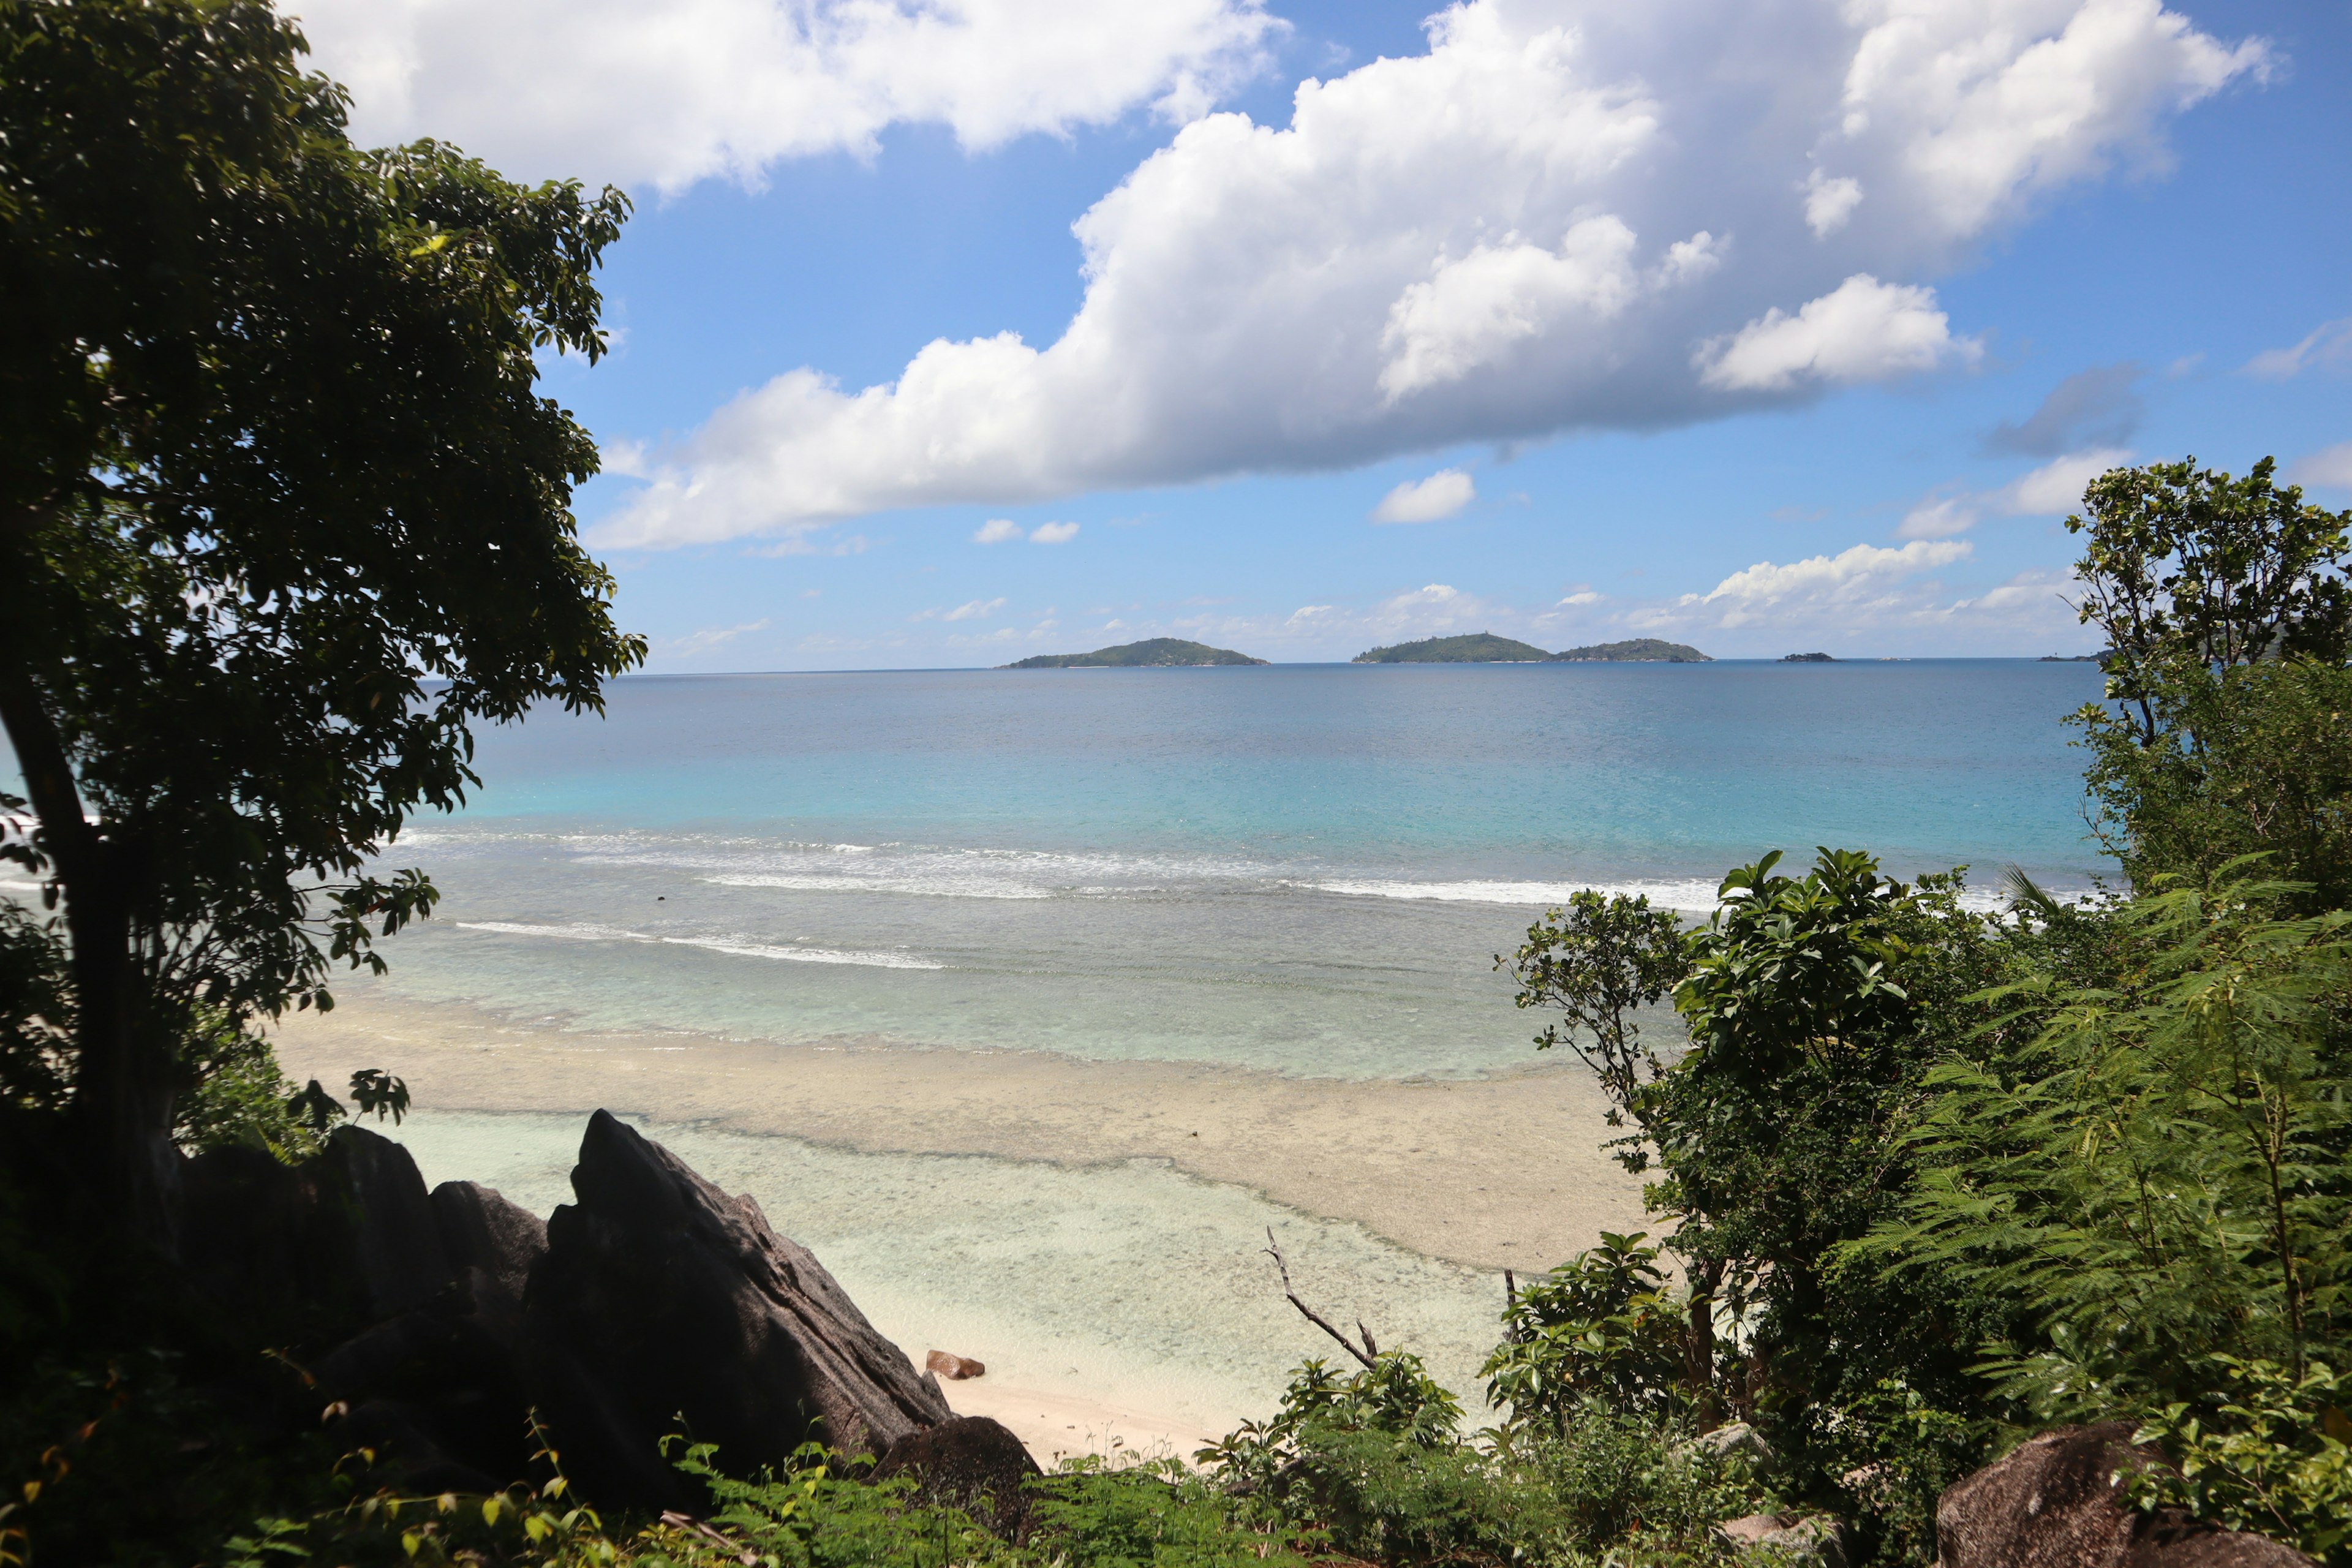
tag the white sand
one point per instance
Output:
(1090, 1230)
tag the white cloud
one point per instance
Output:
(2329, 344)
(709, 638)
(1863, 331)
(2331, 466)
(2057, 488)
(666, 94)
(1829, 202)
(1053, 533)
(972, 610)
(1824, 585)
(997, 530)
(1582, 596)
(1938, 518)
(1532, 227)
(1441, 495)
(2053, 489)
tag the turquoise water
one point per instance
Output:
(1305, 869)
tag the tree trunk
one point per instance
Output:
(122, 1108)
(1698, 1344)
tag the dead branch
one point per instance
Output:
(1274, 1250)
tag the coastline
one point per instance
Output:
(1501, 1171)
(1091, 1230)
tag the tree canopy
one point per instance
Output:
(283, 512)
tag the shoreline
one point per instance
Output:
(1088, 1229)
(1502, 1172)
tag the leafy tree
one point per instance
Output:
(2228, 617)
(1599, 1326)
(282, 514)
(2154, 1168)
(1814, 1008)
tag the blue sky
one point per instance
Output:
(1764, 328)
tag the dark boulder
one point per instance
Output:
(682, 1303)
(969, 1462)
(480, 1229)
(397, 1251)
(433, 1327)
(311, 1254)
(2057, 1502)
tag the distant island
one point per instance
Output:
(1481, 647)
(1807, 659)
(1486, 647)
(1638, 650)
(1152, 653)
(2101, 657)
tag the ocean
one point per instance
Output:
(1306, 869)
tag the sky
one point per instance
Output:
(951, 332)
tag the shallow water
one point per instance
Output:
(1130, 1284)
(1305, 869)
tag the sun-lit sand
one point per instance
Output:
(1496, 1172)
(1116, 1289)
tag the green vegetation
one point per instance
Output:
(1153, 653)
(282, 515)
(1635, 650)
(1483, 648)
(1807, 659)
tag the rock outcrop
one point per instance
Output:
(2057, 1502)
(685, 1300)
(437, 1323)
(970, 1462)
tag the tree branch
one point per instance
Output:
(1274, 1250)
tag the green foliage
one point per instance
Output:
(822, 1511)
(36, 1013)
(2226, 609)
(1600, 961)
(1599, 1326)
(2241, 760)
(282, 513)
(235, 1094)
(2154, 1168)
(1888, 1457)
(1477, 647)
(2267, 1451)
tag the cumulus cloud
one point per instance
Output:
(1565, 214)
(1859, 578)
(2331, 466)
(2095, 407)
(2053, 489)
(997, 530)
(1441, 495)
(2328, 344)
(1829, 202)
(663, 95)
(1863, 331)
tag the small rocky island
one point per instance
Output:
(1486, 647)
(1635, 650)
(1807, 659)
(1152, 653)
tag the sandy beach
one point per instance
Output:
(1116, 1289)
(1496, 1172)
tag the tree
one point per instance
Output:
(282, 514)
(2227, 616)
